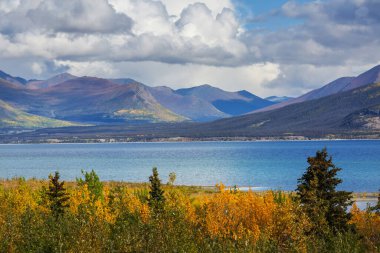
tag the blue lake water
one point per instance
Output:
(275, 165)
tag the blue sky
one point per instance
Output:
(257, 14)
(275, 47)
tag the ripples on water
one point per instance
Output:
(269, 165)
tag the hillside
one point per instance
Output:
(205, 102)
(231, 103)
(191, 107)
(39, 84)
(11, 117)
(12, 79)
(89, 99)
(339, 85)
(354, 110)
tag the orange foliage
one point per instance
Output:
(367, 224)
(238, 215)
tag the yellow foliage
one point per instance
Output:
(367, 224)
(238, 215)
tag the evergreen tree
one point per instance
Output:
(325, 206)
(156, 194)
(57, 195)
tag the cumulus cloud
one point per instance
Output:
(121, 30)
(175, 7)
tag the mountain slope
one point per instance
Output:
(90, 99)
(232, 103)
(351, 110)
(205, 102)
(40, 84)
(12, 117)
(190, 107)
(12, 79)
(370, 76)
(339, 85)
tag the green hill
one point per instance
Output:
(12, 117)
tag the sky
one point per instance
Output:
(275, 47)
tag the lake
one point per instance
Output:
(262, 165)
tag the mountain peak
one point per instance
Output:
(15, 80)
(53, 81)
(247, 94)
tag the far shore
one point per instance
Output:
(177, 140)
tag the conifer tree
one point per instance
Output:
(156, 194)
(57, 195)
(325, 206)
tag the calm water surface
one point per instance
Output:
(275, 165)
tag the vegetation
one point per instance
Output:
(94, 216)
(325, 206)
(156, 199)
(57, 196)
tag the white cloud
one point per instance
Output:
(37, 68)
(175, 7)
(93, 68)
(8, 5)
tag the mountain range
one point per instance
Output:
(97, 101)
(125, 107)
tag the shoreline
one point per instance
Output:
(187, 140)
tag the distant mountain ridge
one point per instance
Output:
(339, 85)
(204, 102)
(39, 84)
(12, 79)
(356, 110)
(231, 103)
(91, 100)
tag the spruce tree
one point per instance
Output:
(57, 195)
(325, 206)
(156, 194)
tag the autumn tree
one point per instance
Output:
(325, 206)
(95, 186)
(57, 195)
(156, 194)
(377, 207)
